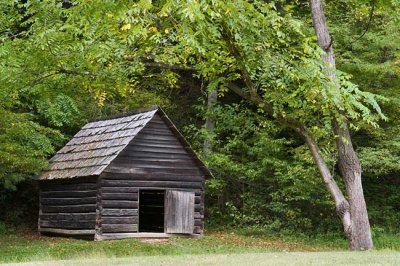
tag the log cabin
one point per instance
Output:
(132, 175)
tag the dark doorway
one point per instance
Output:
(151, 210)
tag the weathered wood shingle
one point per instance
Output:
(95, 146)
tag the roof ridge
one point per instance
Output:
(120, 115)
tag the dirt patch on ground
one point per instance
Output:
(155, 240)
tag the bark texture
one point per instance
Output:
(357, 228)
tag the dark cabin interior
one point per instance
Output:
(151, 210)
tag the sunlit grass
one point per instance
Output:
(19, 247)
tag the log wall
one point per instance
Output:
(68, 206)
(155, 159)
(106, 206)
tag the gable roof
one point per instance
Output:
(99, 142)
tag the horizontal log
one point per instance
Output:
(68, 216)
(162, 167)
(108, 236)
(119, 212)
(79, 180)
(166, 184)
(166, 161)
(198, 215)
(116, 228)
(151, 129)
(197, 192)
(69, 194)
(157, 125)
(155, 136)
(120, 220)
(198, 230)
(159, 177)
(157, 118)
(122, 204)
(162, 164)
(119, 190)
(66, 231)
(160, 154)
(153, 124)
(198, 208)
(119, 196)
(127, 169)
(156, 141)
(68, 201)
(68, 187)
(69, 208)
(137, 148)
(157, 121)
(158, 145)
(156, 130)
(199, 223)
(84, 224)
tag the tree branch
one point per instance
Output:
(242, 67)
(371, 18)
(73, 72)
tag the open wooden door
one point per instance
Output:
(179, 212)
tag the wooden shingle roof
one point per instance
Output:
(98, 143)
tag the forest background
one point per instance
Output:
(63, 63)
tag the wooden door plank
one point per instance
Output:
(179, 212)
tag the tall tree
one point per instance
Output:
(267, 59)
(59, 68)
(354, 210)
(259, 52)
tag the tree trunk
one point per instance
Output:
(210, 121)
(359, 232)
(342, 205)
(350, 168)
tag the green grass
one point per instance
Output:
(273, 258)
(20, 247)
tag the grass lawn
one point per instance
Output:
(272, 258)
(216, 248)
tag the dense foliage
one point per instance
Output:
(63, 63)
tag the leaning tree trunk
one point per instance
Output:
(350, 168)
(341, 203)
(359, 232)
